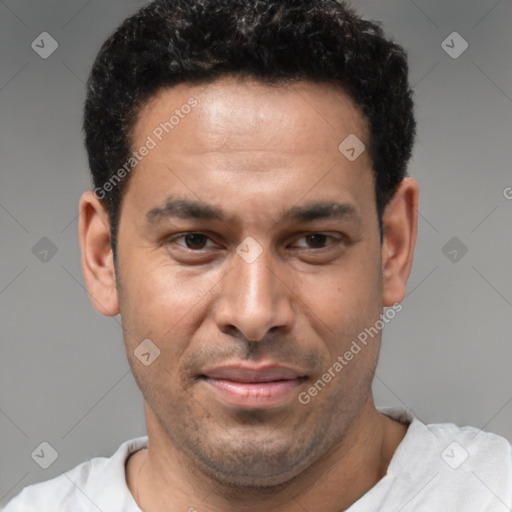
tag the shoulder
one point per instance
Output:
(463, 466)
(453, 440)
(453, 445)
(96, 484)
(475, 467)
(472, 445)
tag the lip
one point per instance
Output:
(253, 386)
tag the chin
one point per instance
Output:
(245, 463)
(259, 479)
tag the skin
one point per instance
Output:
(255, 151)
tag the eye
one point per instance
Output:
(317, 241)
(192, 241)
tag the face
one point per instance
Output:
(249, 254)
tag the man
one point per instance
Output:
(253, 224)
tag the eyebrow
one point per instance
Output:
(320, 210)
(187, 209)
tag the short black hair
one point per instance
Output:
(169, 42)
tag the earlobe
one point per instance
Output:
(400, 226)
(97, 258)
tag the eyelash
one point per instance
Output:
(334, 240)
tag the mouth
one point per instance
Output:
(253, 387)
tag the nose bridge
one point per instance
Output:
(253, 298)
(258, 283)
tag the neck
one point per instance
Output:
(162, 475)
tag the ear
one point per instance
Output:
(97, 257)
(400, 225)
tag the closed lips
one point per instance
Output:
(252, 375)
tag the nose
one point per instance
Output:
(253, 299)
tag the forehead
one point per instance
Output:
(234, 113)
(243, 140)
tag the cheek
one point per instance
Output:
(158, 306)
(347, 319)
(347, 297)
(162, 303)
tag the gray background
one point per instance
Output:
(64, 375)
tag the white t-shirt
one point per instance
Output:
(436, 468)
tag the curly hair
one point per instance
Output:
(169, 42)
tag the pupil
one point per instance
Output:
(317, 240)
(194, 241)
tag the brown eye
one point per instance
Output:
(317, 240)
(192, 241)
(195, 240)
